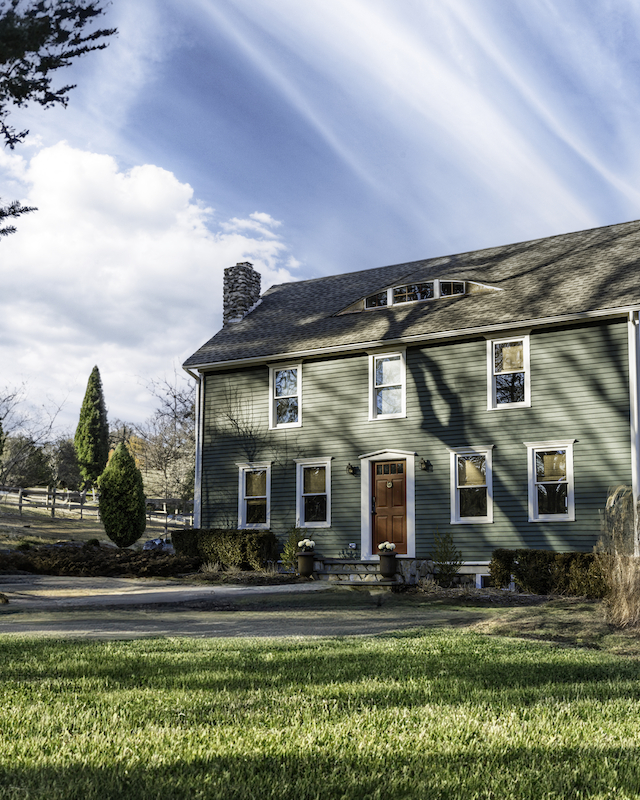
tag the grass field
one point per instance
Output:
(428, 714)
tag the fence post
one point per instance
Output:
(20, 501)
(53, 501)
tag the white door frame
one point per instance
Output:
(366, 493)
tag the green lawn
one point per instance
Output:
(435, 714)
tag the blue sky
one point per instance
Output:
(309, 138)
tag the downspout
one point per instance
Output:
(634, 408)
(197, 486)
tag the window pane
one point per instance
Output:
(376, 300)
(286, 410)
(388, 370)
(315, 508)
(473, 502)
(286, 381)
(448, 288)
(256, 483)
(314, 480)
(256, 511)
(551, 465)
(403, 294)
(552, 498)
(510, 388)
(471, 470)
(424, 291)
(509, 357)
(389, 400)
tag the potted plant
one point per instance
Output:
(387, 553)
(305, 557)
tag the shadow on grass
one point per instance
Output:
(403, 669)
(469, 769)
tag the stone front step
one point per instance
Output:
(409, 571)
(350, 571)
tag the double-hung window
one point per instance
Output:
(551, 492)
(285, 390)
(471, 485)
(387, 386)
(313, 493)
(508, 372)
(254, 495)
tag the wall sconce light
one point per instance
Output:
(427, 466)
(351, 470)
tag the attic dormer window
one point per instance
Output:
(448, 288)
(413, 293)
(376, 300)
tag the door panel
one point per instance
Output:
(389, 504)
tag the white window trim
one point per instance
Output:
(242, 469)
(273, 426)
(301, 463)
(366, 492)
(492, 403)
(487, 452)
(373, 415)
(554, 444)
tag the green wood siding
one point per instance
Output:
(579, 390)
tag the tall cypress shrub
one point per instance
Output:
(122, 502)
(91, 440)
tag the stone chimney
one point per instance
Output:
(241, 291)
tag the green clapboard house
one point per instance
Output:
(492, 394)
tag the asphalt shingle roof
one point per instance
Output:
(587, 271)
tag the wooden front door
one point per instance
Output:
(389, 504)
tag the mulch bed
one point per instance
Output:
(91, 561)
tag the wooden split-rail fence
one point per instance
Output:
(86, 502)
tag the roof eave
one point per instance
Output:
(458, 333)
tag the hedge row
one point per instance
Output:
(546, 572)
(229, 548)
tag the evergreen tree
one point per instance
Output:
(122, 501)
(92, 434)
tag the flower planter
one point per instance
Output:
(305, 564)
(388, 565)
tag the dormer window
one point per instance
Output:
(414, 293)
(376, 300)
(449, 288)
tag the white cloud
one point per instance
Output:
(116, 268)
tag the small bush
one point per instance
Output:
(546, 572)
(122, 503)
(447, 559)
(289, 555)
(501, 567)
(227, 547)
(533, 570)
(185, 542)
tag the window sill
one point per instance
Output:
(312, 525)
(384, 418)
